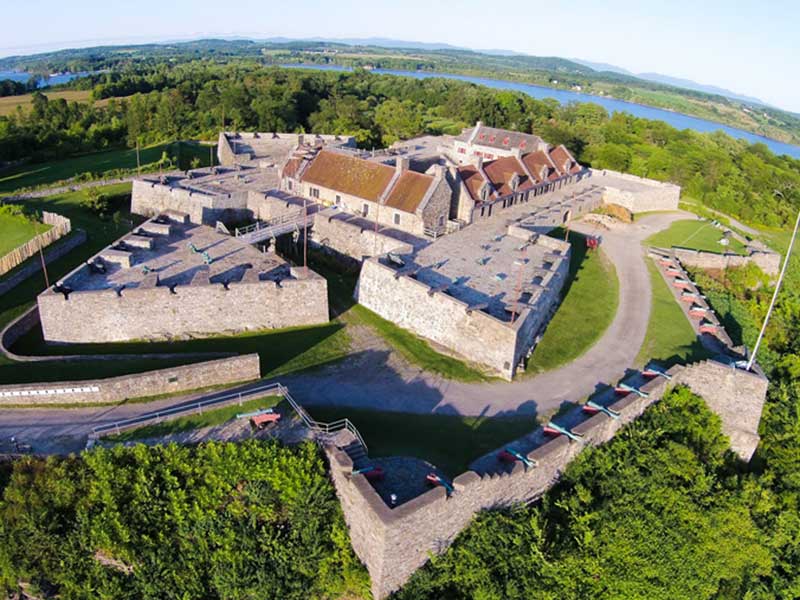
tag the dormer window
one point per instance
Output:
(482, 136)
(491, 139)
(505, 141)
(522, 145)
(485, 192)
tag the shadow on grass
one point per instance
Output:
(451, 442)
(280, 351)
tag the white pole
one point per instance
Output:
(775, 294)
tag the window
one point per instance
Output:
(505, 141)
(441, 220)
(338, 200)
(396, 218)
(522, 145)
(313, 192)
(462, 150)
(365, 210)
(289, 184)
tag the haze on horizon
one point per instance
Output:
(747, 47)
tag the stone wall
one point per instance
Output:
(473, 334)
(34, 265)
(735, 395)
(651, 195)
(149, 199)
(152, 383)
(769, 262)
(395, 542)
(60, 226)
(199, 309)
(333, 230)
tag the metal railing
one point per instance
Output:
(319, 428)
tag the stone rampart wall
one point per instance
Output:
(34, 265)
(654, 195)
(351, 239)
(769, 262)
(60, 226)
(151, 199)
(395, 542)
(475, 335)
(140, 385)
(198, 309)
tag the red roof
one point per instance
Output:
(564, 161)
(349, 174)
(501, 173)
(473, 179)
(409, 190)
(540, 166)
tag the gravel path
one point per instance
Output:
(376, 378)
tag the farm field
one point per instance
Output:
(8, 104)
(99, 163)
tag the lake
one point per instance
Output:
(53, 80)
(677, 120)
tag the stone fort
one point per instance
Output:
(451, 231)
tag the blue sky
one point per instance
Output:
(746, 46)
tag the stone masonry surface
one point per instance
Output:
(395, 542)
(169, 291)
(152, 383)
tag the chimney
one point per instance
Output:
(401, 164)
(517, 152)
(300, 139)
(479, 163)
(478, 125)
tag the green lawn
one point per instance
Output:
(35, 174)
(15, 230)
(590, 303)
(208, 418)
(416, 350)
(670, 338)
(449, 442)
(698, 235)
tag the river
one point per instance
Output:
(677, 120)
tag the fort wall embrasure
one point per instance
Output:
(395, 542)
(161, 312)
(152, 383)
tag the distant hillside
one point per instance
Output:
(700, 87)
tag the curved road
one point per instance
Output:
(375, 378)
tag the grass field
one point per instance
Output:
(590, 303)
(698, 235)
(8, 104)
(15, 230)
(670, 338)
(208, 418)
(450, 442)
(35, 174)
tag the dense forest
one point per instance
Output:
(249, 520)
(191, 100)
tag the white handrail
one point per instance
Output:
(159, 416)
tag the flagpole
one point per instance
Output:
(774, 294)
